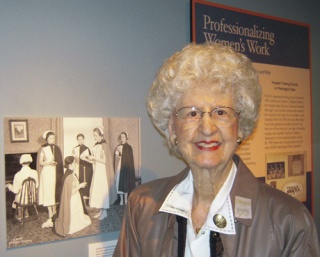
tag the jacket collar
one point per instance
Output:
(170, 185)
(243, 177)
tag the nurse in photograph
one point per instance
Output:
(50, 169)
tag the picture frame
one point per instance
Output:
(32, 228)
(19, 131)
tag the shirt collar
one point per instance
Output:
(179, 202)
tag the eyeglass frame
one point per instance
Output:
(237, 113)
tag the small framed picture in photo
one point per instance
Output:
(18, 131)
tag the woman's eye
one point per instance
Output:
(193, 114)
(220, 112)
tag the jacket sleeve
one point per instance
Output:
(128, 243)
(302, 236)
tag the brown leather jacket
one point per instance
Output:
(280, 225)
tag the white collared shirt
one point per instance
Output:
(179, 202)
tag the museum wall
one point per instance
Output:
(97, 59)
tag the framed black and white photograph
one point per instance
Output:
(71, 179)
(18, 131)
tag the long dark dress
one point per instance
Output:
(85, 169)
(127, 175)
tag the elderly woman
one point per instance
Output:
(205, 100)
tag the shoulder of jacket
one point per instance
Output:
(157, 189)
(151, 187)
(282, 202)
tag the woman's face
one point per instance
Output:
(80, 140)
(204, 144)
(96, 136)
(123, 138)
(51, 139)
(72, 165)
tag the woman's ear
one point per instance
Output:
(240, 137)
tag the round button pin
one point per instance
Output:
(220, 221)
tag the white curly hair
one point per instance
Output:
(220, 67)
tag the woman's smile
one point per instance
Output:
(208, 145)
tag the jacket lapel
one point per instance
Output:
(170, 242)
(243, 177)
(171, 184)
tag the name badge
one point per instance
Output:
(243, 208)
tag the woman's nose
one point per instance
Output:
(207, 124)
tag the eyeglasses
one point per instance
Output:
(222, 115)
